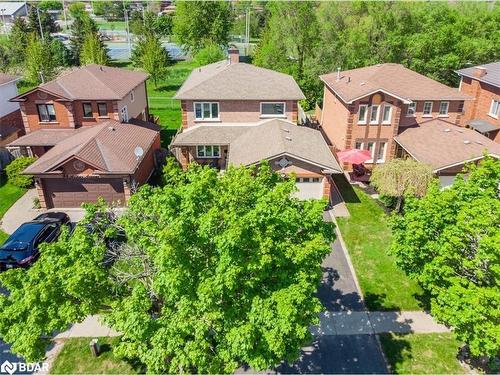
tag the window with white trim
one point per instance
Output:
(494, 108)
(412, 107)
(270, 109)
(362, 111)
(427, 109)
(443, 108)
(382, 148)
(370, 146)
(358, 145)
(386, 114)
(124, 114)
(208, 151)
(87, 109)
(206, 110)
(374, 114)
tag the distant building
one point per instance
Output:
(9, 11)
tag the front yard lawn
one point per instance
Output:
(368, 237)
(430, 353)
(75, 358)
(9, 194)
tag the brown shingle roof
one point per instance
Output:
(5, 78)
(393, 79)
(442, 144)
(108, 146)
(94, 82)
(45, 137)
(250, 144)
(491, 77)
(238, 81)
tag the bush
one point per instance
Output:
(14, 170)
(388, 201)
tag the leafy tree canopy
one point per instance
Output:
(93, 50)
(50, 5)
(39, 64)
(77, 9)
(81, 27)
(216, 271)
(35, 18)
(150, 55)
(449, 240)
(200, 22)
(209, 54)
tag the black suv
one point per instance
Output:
(21, 248)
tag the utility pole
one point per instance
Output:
(40, 23)
(128, 30)
(65, 19)
(247, 30)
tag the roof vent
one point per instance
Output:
(362, 83)
(447, 130)
(348, 79)
(466, 142)
(288, 138)
(111, 128)
(479, 142)
(286, 130)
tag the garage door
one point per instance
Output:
(309, 187)
(73, 192)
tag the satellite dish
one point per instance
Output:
(138, 152)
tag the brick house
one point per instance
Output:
(483, 84)
(88, 131)
(240, 114)
(367, 107)
(11, 122)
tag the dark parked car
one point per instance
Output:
(22, 248)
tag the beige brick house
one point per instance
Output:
(239, 114)
(483, 84)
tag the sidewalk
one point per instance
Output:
(90, 327)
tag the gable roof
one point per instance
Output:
(109, 147)
(392, 79)
(10, 8)
(492, 75)
(443, 145)
(251, 143)
(5, 78)
(92, 82)
(45, 137)
(238, 81)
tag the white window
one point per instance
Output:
(272, 109)
(363, 109)
(386, 115)
(358, 145)
(206, 110)
(370, 146)
(124, 114)
(494, 108)
(208, 151)
(382, 148)
(443, 108)
(132, 96)
(428, 109)
(411, 109)
(374, 114)
(308, 179)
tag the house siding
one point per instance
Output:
(32, 122)
(136, 107)
(231, 111)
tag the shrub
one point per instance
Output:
(36, 203)
(14, 170)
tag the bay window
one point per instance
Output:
(363, 109)
(374, 114)
(386, 114)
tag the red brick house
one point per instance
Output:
(11, 122)
(88, 131)
(483, 84)
(367, 107)
(240, 114)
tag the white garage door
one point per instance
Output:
(446, 181)
(309, 187)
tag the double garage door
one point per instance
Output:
(67, 192)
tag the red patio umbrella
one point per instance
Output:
(354, 156)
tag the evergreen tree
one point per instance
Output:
(38, 16)
(79, 29)
(18, 41)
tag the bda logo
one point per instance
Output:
(8, 367)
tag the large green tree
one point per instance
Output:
(150, 55)
(37, 17)
(93, 50)
(200, 22)
(80, 28)
(205, 274)
(18, 40)
(449, 240)
(39, 65)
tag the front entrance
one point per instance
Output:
(69, 192)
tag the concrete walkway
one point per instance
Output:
(90, 327)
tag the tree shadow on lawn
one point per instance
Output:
(396, 349)
(163, 88)
(166, 135)
(378, 302)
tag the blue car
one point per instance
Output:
(22, 248)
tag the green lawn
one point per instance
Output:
(430, 353)
(368, 237)
(75, 358)
(110, 25)
(160, 99)
(9, 194)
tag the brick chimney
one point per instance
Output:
(234, 55)
(479, 72)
